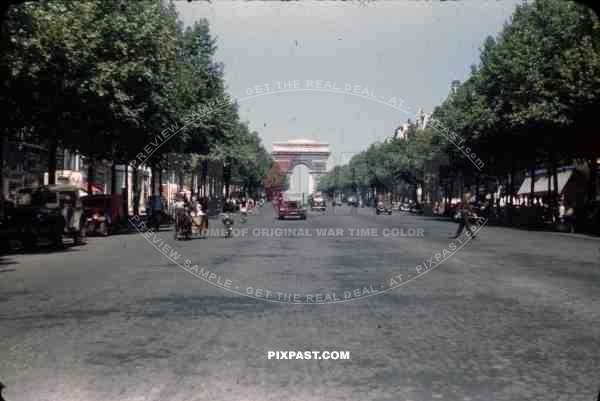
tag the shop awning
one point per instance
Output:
(541, 183)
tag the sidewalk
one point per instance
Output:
(547, 229)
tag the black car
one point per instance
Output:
(37, 217)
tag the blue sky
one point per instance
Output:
(410, 50)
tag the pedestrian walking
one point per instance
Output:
(466, 214)
(201, 220)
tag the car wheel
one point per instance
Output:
(28, 241)
(57, 241)
(80, 237)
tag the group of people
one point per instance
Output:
(243, 204)
(194, 210)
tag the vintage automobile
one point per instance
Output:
(416, 208)
(318, 204)
(352, 201)
(103, 213)
(383, 208)
(291, 209)
(404, 207)
(48, 213)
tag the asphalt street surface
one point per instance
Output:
(511, 315)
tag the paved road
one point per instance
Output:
(512, 315)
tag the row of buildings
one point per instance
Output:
(25, 164)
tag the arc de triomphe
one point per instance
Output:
(310, 153)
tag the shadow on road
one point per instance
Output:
(4, 261)
(38, 250)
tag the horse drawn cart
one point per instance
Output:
(188, 226)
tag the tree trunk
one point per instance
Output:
(415, 194)
(153, 180)
(160, 182)
(532, 185)
(126, 191)
(554, 201)
(511, 186)
(90, 176)
(592, 183)
(3, 143)
(549, 174)
(136, 192)
(52, 151)
(113, 178)
(204, 176)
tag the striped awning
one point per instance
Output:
(541, 183)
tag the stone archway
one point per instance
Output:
(310, 153)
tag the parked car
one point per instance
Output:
(416, 209)
(48, 213)
(103, 213)
(383, 208)
(352, 201)
(291, 209)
